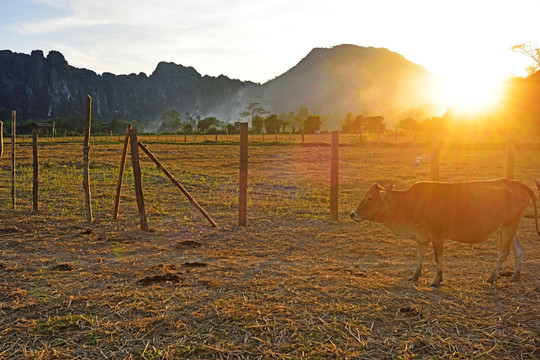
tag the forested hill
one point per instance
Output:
(345, 78)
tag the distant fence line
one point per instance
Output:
(487, 143)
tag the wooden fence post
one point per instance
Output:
(13, 140)
(35, 182)
(137, 178)
(435, 150)
(177, 184)
(121, 173)
(242, 197)
(86, 166)
(1, 138)
(510, 151)
(334, 177)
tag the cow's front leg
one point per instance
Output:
(438, 248)
(420, 252)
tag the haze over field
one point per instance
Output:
(464, 42)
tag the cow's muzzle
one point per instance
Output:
(354, 216)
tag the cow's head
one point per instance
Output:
(371, 204)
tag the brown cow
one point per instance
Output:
(466, 212)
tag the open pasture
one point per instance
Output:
(292, 284)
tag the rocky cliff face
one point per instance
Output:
(342, 79)
(46, 87)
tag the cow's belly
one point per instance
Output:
(471, 233)
(465, 233)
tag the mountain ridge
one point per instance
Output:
(337, 80)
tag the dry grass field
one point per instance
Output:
(291, 285)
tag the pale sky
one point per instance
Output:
(259, 40)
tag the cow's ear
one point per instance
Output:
(379, 187)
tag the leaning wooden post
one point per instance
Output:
(35, 182)
(137, 178)
(242, 196)
(435, 150)
(216, 134)
(334, 177)
(121, 173)
(177, 184)
(510, 151)
(86, 166)
(13, 141)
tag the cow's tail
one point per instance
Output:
(533, 197)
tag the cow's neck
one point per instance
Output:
(391, 215)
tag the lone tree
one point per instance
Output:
(353, 124)
(170, 121)
(252, 110)
(312, 124)
(257, 124)
(409, 124)
(207, 123)
(533, 52)
(272, 124)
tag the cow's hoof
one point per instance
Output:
(435, 285)
(413, 278)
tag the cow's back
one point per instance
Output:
(467, 212)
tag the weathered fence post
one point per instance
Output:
(137, 178)
(435, 150)
(242, 197)
(121, 173)
(275, 132)
(1, 138)
(13, 140)
(35, 182)
(227, 133)
(510, 150)
(334, 177)
(86, 166)
(215, 134)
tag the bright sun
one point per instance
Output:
(473, 93)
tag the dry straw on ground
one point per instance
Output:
(291, 285)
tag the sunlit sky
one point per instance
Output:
(259, 40)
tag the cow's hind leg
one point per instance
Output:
(420, 252)
(438, 248)
(506, 238)
(518, 250)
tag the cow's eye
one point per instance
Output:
(369, 199)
